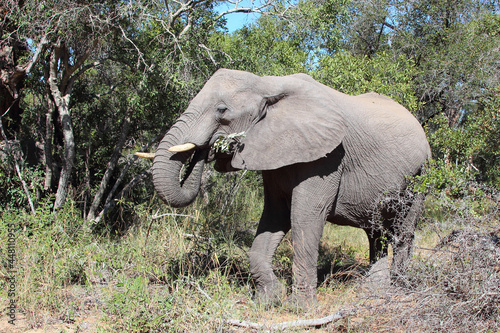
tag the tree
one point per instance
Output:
(384, 73)
(15, 64)
(454, 46)
(142, 58)
(288, 39)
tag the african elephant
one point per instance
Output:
(324, 156)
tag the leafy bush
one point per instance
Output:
(440, 176)
(473, 146)
(384, 74)
(12, 194)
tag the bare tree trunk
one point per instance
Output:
(11, 75)
(86, 195)
(47, 150)
(60, 93)
(111, 203)
(69, 153)
(110, 169)
(15, 157)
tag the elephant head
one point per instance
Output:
(285, 120)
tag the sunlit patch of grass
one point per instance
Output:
(352, 241)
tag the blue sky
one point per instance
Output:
(236, 21)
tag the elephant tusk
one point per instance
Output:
(149, 156)
(181, 148)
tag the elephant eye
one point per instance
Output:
(221, 109)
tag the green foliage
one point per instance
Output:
(223, 143)
(455, 48)
(245, 48)
(169, 273)
(12, 194)
(383, 73)
(131, 303)
(232, 204)
(440, 176)
(145, 276)
(473, 146)
(282, 44)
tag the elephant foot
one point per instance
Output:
(270, 295)
(301, 301)
(398, 271)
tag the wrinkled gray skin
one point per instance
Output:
(324, 156)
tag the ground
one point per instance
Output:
(437, 287)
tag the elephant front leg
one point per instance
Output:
(273, 226)
(270, 290)
(312, 201)
(305, 239)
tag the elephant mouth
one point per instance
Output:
(222, 151)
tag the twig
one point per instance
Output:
(259, 9)
(127, 187)
(208, 52)
(108, 203)
(289, 324)
(197, 286)
(232, 193)
(350, 271)
(139, 53)
(198, 237)
(154, 217)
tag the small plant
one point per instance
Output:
(223, 143)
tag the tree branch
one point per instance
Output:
(247, 10)
(68, 78)
(141, 55)
(208, 52)
(155, 217)
(108, 204)
(291, 324)
(26, 68)
(16, 164)
(110, 168)
(72, 79)
(124, 191)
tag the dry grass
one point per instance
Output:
(453, 282)
(158, 277)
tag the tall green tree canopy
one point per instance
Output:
(84, 84)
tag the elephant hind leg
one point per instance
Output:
(403, 237)
(379, 242)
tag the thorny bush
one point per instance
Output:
(453, 286)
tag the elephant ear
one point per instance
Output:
(295, 127)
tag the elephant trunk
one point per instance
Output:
(177, 175)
